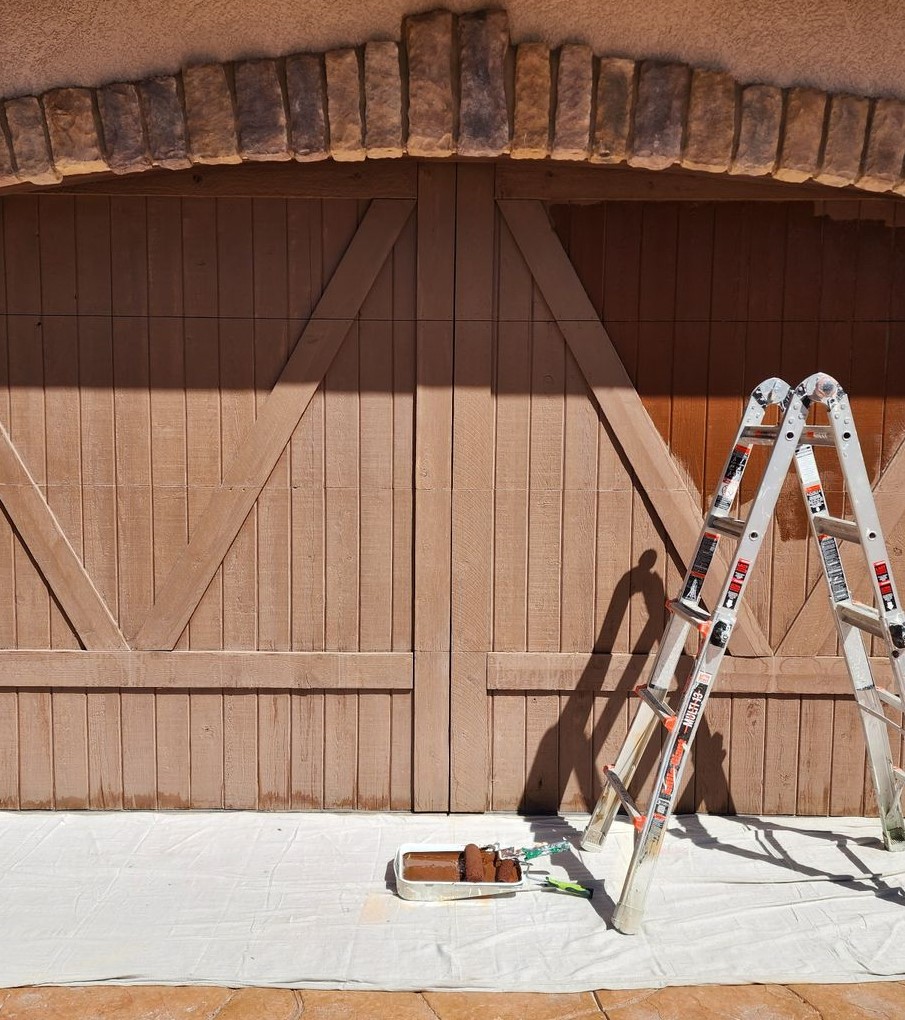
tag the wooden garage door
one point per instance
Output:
(700, 302)
(207, 550)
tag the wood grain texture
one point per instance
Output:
(246, 475)
(435, 282)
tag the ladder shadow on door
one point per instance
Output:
(544, 792)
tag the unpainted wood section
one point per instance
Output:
(472, 481)
(235, 300)
(243, 479)
(306, 280)
(98, 493)
(328, 180)
(169, 479)
(26, 431)
(9, 710)
(271, 348)
(435, 287)
(207, 671)
(342, 456)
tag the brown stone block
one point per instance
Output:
(879, 1000)
(106, 1002)
(531, 128)
(706, 1002)
(7, 170)
(512, 1005)
(261, 1004)
(330, 1005)
(615, 100)
(73, 131)
(660, 114)
(383, 100)
(711, 121)
(344, 105)
(209, 115)
(845, 137)
(574, 85)
(483, 113)
(260, 115)
(306, 92)
(164, 122)
(31, 148)
(124, 135)
(429, 45)
(758, 139)
(805, 117)
(885, 146)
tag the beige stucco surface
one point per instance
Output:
(846, 45)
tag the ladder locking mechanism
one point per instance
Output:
(720, 634)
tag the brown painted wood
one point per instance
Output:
(618, 400)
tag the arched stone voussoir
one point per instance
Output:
(455, 85)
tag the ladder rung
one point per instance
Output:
(693, 614)
(663, 710)
(863, 617)
(625, 798)
(899, 776)
(847, 531)
(730, 526)
(888, 698)
(880, 715)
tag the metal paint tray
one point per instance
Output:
(447, 890)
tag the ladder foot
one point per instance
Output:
(627, 919)
(894, 840)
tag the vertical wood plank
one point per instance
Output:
(508, 752)
(61, 422)
(99, 503)
(472, 480)
(404, 314)
(168, 469)
(341, 527)
(26, 427)
(433, 427)
(513, 415)
(746, 760)
(815, 756)
(271, 309)
(781, 756)
(203, 472)
(307, 748)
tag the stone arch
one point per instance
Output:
(455, 86)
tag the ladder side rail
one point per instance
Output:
(769, 392)
(644, 723)
(876, 734)
(630, 909)
(642, 728)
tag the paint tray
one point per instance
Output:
(410, 890)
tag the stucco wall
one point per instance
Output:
(856, 45)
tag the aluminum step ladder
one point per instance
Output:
(792, 440)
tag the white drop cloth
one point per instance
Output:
(307, 900)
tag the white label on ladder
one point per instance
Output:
(884, 581)
(729, 485)
(810, 479)
(835, 575)
(692, 590)
(736, 584)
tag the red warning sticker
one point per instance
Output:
(736, 584)
(884, 583)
